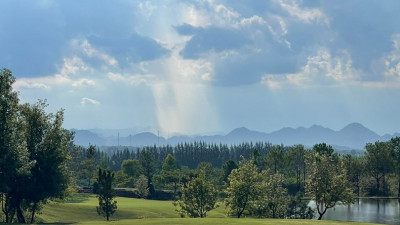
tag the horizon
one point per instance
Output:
(167, 135)
(209, 67)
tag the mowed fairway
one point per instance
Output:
(82, 210)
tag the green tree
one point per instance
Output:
(326, 183)
(395, 143)
(142, 187)
(355, 168)
(87, 166)
(243, 189)
(379, 162)
(297, 161)
(170, 174)
(228, 167)
(14, 156)
(148, 165)
(197, 198)
(169, 163)
(107, 205)
(48, 145)
(276, 198)
(275, 158)
(132, 167)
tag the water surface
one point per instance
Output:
(385, 211)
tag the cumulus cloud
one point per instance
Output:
(320, 69)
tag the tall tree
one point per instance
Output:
(14, 156)
(275, 158)
(276, 198)
(132, 168)
(380, 162)
(107, 205)
(87, 166)
(48, 146)
(148, 165)
(327, 184)
(198, 198)
(243, 188)
(297, 160)
(170, 173)
(355, 168)
(395, 143)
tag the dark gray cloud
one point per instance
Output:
(363, 28)
(135, 48)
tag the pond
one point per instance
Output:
(385, 211)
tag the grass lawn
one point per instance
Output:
(82, 210)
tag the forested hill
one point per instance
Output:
(352, 136)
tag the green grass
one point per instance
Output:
(81, 209)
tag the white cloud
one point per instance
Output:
(85, 47)
(72, 66)
(83, 82)
(392, 60)
(88, 101)
(133, 80)
(322, 69)
(306, 15)
(146, 9)
(41, 82)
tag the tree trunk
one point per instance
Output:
(33, 212)
(377, 184)
(398, 186)
(20, 214)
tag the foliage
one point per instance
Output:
(275, 158)
(33, 154)
(132, 167)
(275, 197)
(47, 144)
(197, 198)
(244, 186)
(148, 165)
(228, 167)
(380, 162)
(326, 183)
(142, 187)
(107, 206)
(395, 144)
(169, 163)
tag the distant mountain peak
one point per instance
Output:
(354, 126)
(239, 130)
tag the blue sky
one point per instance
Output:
(205, 65)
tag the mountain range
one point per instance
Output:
(353, 136)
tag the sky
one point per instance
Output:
(206, 66)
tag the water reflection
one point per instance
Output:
(366, 210)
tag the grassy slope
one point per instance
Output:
(81, 210)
